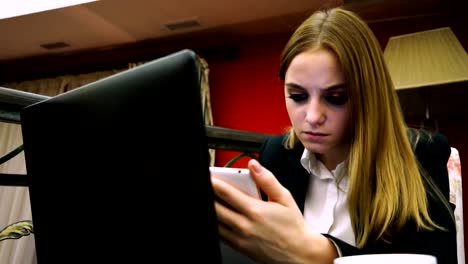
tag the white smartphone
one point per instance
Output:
(238, 177)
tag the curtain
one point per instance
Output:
(206, 101)
(14, 201)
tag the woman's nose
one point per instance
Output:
(315, 112)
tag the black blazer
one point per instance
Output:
(432, 153)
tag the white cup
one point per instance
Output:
(387, 259)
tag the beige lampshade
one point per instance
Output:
(435, 63)
(426, 58)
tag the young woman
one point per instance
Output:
(349, 177)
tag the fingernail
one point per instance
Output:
(256, 166)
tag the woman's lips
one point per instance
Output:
(315, 136)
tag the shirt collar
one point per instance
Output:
(316, 168)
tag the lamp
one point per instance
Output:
(429, 70)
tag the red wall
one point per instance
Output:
(246, 92)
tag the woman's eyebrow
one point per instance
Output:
(293, 86)
(335, 87)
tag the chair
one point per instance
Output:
(456, 198)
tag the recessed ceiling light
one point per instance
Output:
(13, 8)
(55, 45)
(188, 23)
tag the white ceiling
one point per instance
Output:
(108, 23)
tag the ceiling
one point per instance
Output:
(111, 23)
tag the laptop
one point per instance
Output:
(118, 169)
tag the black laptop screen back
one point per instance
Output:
(119, 169)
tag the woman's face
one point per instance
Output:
(317, 103)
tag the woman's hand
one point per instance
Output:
(272, 231)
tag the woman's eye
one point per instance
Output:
(298, 97)
(337, 100)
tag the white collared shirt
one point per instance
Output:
(325, 208)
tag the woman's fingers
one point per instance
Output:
(230, 195)
(268, 183)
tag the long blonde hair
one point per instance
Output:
(386, 186)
